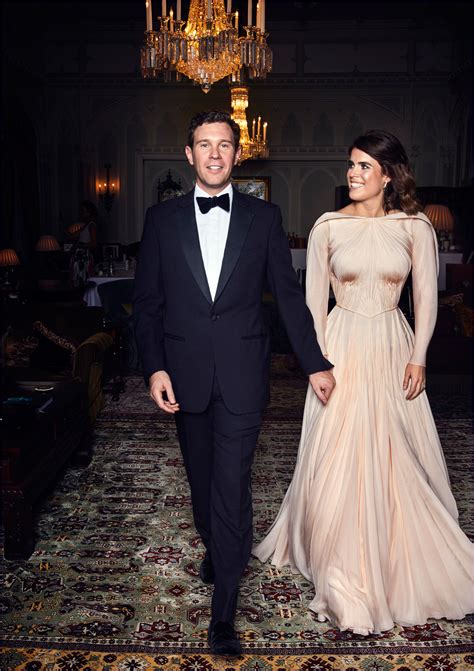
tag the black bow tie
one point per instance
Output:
(206, 204)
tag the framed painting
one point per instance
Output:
(254, 186)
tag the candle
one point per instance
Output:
(178, 10)
(237, 20)
(253, 129)
(209, 10)
(257, 22)
(149, 19)
(229, 6)
(258, 127)
(249, 13)
(265, 131)
(163, 7)
(171, 20)
(262, 16)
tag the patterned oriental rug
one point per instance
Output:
(113, 583)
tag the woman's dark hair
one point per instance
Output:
(213, 116)
(387, 150)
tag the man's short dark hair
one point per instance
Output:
(213, 116)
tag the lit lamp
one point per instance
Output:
(107, 190)
(206, 47)
(47, 262)
(443, 223)
(254, 143)
(8, 257)
(47, 243)
(8, 260)
(75, 228)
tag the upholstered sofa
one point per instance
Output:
(62, 341)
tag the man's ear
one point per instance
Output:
(238, 153)
(189, 154)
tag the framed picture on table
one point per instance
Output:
(253, 186)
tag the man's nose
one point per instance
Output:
(215, 152)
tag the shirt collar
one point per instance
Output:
(198, 192)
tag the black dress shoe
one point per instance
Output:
(223, 639)
(206, 570)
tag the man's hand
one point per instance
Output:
(323, 383)
(160, 383)
(414, 381)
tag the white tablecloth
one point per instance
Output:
(91, 295)
(298, 260)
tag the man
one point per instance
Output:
(204, 261)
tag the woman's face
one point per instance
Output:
(365, 178)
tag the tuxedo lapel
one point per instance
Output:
(240, 219)
(188, 233)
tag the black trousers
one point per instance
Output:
(218, 449)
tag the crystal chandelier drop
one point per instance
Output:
(254, 144)
(206, 47)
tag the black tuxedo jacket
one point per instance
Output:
(180, 329)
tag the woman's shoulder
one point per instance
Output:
(327, 216)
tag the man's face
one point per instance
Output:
(213, 156)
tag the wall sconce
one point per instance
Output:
(107, 190)
(443, 223)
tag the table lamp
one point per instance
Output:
(443, 223)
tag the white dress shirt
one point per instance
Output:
(213, 228)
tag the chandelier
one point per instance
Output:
(254, 144)
(206, 47)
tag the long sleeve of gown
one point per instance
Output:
(425, 286)
(317, 280)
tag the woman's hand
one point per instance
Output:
(414, 380)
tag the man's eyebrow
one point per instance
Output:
(206, 139)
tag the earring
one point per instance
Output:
(385, 185)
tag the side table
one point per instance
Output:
(38, 436)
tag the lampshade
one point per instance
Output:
(440, 216)
(74, 229)
(47, 243)
(8, 257)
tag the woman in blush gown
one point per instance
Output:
(369, 516)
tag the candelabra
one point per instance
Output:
(107, 190)
(207, 47)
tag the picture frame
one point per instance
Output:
(253, 186)
(110, 251)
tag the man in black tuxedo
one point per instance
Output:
(204, 261)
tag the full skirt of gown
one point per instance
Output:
(369, 516)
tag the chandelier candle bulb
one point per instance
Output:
(253, 129)
(229, 6)
(163, 8)
(262, 15)
(209, 9)
(258, 127)
(149, 19)
(249, 13)
(171, 20)
(265, 131)
(237, 20)
(178, 10)
(257, 22)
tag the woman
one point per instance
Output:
(369, 516)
